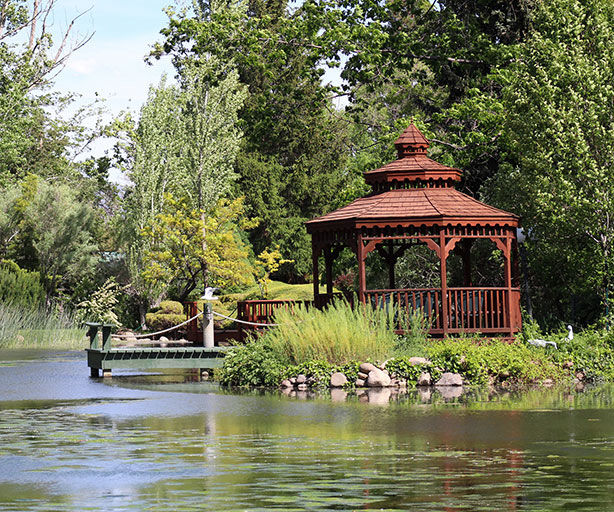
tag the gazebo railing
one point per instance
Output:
(469, 309)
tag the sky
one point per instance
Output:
(112, 63)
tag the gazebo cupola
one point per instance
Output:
(412, 169)
(414, 202)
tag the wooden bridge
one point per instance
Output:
(102, 357)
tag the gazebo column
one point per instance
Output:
(445, 303)
(508, 282)
(315, 255)
(361, 255)
(328, 263)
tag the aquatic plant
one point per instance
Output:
(337, 334)
(39, 328)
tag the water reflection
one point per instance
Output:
(160, 442)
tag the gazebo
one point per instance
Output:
(414, 202)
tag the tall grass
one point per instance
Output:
(337, 334)
(38, 328)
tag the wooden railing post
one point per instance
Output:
(92, 332)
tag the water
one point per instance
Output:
(161, 443)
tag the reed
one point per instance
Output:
(38, 328)
(337, 334)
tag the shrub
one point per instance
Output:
(99, 307)
(494, 359)
(254, 364)
(338, 334)
(321, 371)
(591, 353)
(168, 314)
(20, 288)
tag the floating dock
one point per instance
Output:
(101, 357)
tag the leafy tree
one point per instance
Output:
(178, 253)
(558, 129)
(50, 231)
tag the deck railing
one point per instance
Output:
(469, 309)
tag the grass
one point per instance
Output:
(338, 334)
(22, 328)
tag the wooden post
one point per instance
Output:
(362, 277)
(92, 332)
(328, 261)
(106, 336)
(508, 282)
(315, 254)
(443, 255)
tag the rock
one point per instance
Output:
(204, 374)
(286, 383)
(163, 339)
(338, 380)
(338, 395)
(379, 396)
(580, 376)
(402, 383)
(450, 379)
(450, 392)
(360, 383)
(424, 379)
(378, 379)
(292, 380)
(362, 375)
(547, 383)
(301, 379)
(568, 364)
(302, 387)
(367, 367)
(415, 361)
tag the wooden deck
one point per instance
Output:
(101, 357)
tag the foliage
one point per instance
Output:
(179, 253)
(168, 314)
(267, 263)
(495, 360)
(338, 334)
(256, 363)
(401, 367)
(45, 327)
(558, 133)
(590, 352)
(51, 230)
(20, 288)
(100, 306)
(320, 371)
(414, 339)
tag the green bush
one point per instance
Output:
(101, 304)
(591, 353)
(20, 288)
(401, 367)
(338, 334)
(477, 362)
(321, 371)
(168, 314)
(254, 364)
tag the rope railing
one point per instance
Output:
(158, 332)
(244, 321)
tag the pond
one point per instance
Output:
(167, 442)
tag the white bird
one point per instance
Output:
(542, 343)
(570, 334)
(209, 291)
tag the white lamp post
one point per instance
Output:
(208, 330)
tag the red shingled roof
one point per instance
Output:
(415, 206)
(411, 135)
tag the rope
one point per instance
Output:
(159, 332)
(244, 322)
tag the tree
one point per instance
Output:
(559, 130)
(32, 139)
(178, 251)
(50, 231)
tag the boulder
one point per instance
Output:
(286, 383)
(415, 361)
(338, 380)
(292, 380)
(302, 387)
(378, 379)
(367, 367)
(360, 383)
(450, 379)
(450, 392)
(362, 375)
(424, 379)
(301, 379)
(338, 395)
